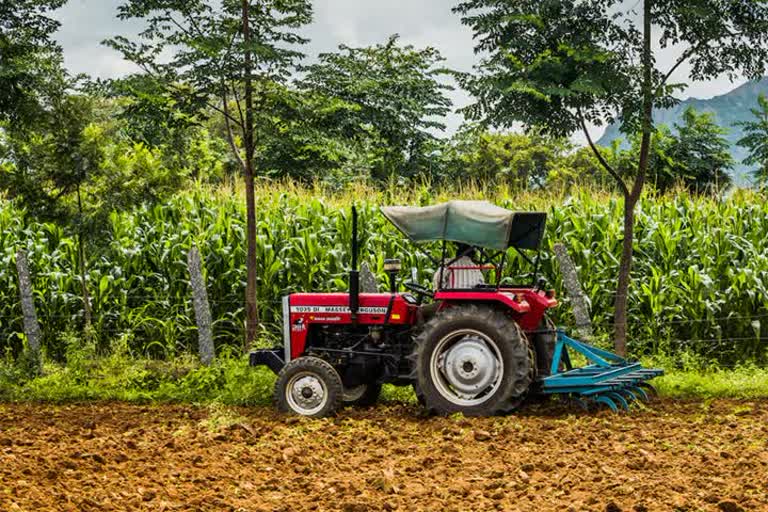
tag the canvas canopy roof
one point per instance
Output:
(477, 223)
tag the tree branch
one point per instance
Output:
(230, 135)
(153, 74)
(179, 26)
(224, 112)
(601, 158)
(685, 56)
(239, 107)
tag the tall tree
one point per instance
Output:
(564, 64)
(73, 168)
(30, 61)
(51, 165)
(226, 54)
(700, 154)
(694, 154)
(399, 91)
(756, 140)
(520, 160)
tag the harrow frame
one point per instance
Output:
(610, 380)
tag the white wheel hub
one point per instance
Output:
(466, 367)
(306, 393)
(469, 366)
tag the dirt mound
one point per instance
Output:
(673, 456)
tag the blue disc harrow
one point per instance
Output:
(608, 379)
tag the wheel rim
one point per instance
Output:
(306, 393)
(466, 367)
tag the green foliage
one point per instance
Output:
(399, 95)
(307, 136)
(555, 63)
(695, 155)
(521, 161)
(700, 153)
(210, 64)
(121, 377)
(756, 140)
(231, 382)
(741, 382)
(152, 113)
(31, 61)
(53, 161)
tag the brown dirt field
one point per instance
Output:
(674, 456)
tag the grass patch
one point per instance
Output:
(230, 381)
(743, 382)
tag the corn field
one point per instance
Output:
(699, 277)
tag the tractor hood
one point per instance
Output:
(476, 223)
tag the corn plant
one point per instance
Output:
(700, 278)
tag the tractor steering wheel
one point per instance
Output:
(420, 291)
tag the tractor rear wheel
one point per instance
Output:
(474, 360)
(308, 386)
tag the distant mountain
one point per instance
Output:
(728, 109)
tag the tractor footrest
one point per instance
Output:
(272, 358)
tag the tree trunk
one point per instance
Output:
(622, 289)
(251, 291)
(251, 305)
(631, 198)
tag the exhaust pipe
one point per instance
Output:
(354, 274)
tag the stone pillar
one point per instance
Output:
(31, 325)
(579, 300)
(202, 309)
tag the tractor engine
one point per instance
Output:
(361, 354)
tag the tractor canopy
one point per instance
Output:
(476, 223)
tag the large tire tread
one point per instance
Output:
(511, 341)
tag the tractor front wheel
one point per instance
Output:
(474, 360)
(308, 386)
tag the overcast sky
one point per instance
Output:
(85, 23)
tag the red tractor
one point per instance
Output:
(466, 346)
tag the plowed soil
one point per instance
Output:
(672, 456)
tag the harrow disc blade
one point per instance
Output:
(619, 399)
(629, 395)
(650, 391)
(606, 400)
(580, 402)
(639, 392)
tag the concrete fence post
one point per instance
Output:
(579, 300)
(368, 282)
(202, 309)
(31, 325)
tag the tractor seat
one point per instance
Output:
(461, 274)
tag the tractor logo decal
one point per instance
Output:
(327, 318)
(338, 309)
(298, 325)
